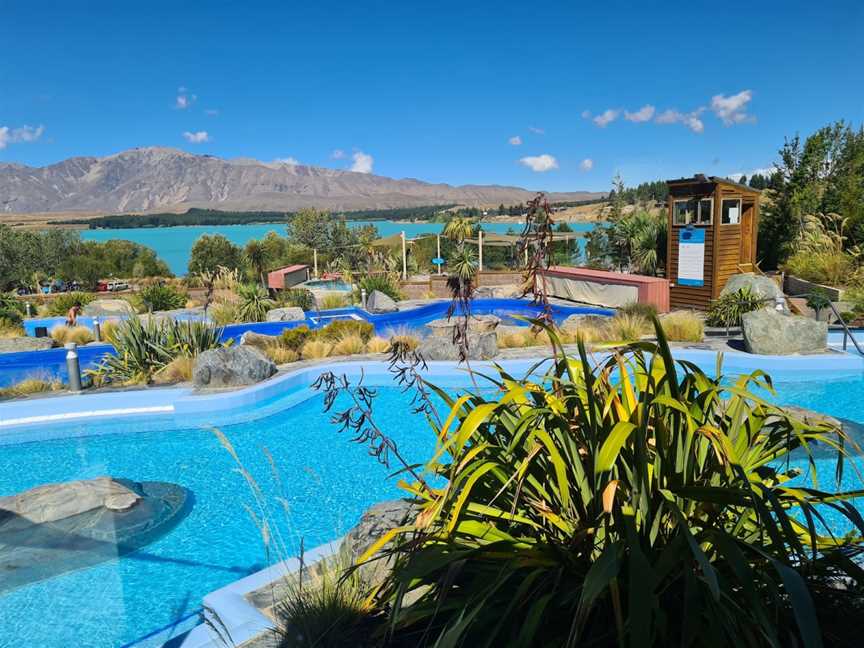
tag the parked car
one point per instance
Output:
(116, 286)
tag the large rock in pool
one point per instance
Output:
(287, 314)
(768, 332)
(378, 302)
(57, 528)
(108, 308)
(232, 367)
(476, 324)
(574, 322)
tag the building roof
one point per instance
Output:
(288, 269)
(700, 178)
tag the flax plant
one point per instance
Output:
(632, 501)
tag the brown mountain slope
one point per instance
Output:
(148, 179)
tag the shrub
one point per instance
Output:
(63, 334)
(296, 337)
(61, 304)
(332, 300)
(223, 312)
(683, 326)
(647, 311)
(511, 339)
(728, 309)
(145, 347)
(385, 283)
(826, 267)
(299, 297)
(315, 349)
(35, 384)
(377, 345)
(338, 329)
(281, 355)
(349, 345)
(178, 370)
(254, 303)
(586, 506)
(627, 328)
(10, 329)
(108, 330)
(159, 297)
(12, 310)
(818, 300)
(405, 341)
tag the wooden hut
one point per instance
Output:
(712, 235)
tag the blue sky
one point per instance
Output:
(481, 92)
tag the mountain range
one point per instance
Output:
(165, 179)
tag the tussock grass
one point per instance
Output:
(9, 330)
(407, 342)
(326, 302)
(683, 326)
(280, 354)
(35, 384)
(625, 327)
(63, 334)
(378, 345)
(178, 370)
(223, 312)
(315, 349)
(108, 329)
(349, 345)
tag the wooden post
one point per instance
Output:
(315, 262)
(439, 253)
(404, 257)
(480, 253)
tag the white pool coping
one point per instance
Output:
(229, 604)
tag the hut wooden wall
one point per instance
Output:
(690, 296)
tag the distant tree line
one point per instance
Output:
(29, 258)
(196, 216)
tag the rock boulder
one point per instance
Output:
(768, 332)
(760, 285)
(378, 302)
(231, 367)
(108, 308)
(477, 324)
(287, 314)
(13, 345)
(481, 346)
(573, 322)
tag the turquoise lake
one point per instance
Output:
(173, 244)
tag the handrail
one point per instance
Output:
(847, 332)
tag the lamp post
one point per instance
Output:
(73, 367)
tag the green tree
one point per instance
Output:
(310, 227)
(255, 254)
(212, 251)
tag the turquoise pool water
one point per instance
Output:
(326, 480)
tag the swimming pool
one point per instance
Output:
(326, 480)
(326, 284)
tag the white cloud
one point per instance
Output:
(18, 135)
(691, 120)
(337, 154)
(537, 131)
(198, 137)
(184, 99)
(733, 109)
(539, 163)
(586, 114)
(587, 164)
(362, 162)
(644, 114)
(211, 112)
(606, 117)
(515, 140)
(289, 160)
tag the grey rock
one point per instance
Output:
(147, 179)
(287, 314)
(481, 346)
(378, 302)
(108, 308)
(768, 332)
(14, 345)
(507, 291)
(444, 327)
(57, 528)
(760, 285)
(231, 367)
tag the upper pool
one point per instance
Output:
(15, 367)
(325, 481)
